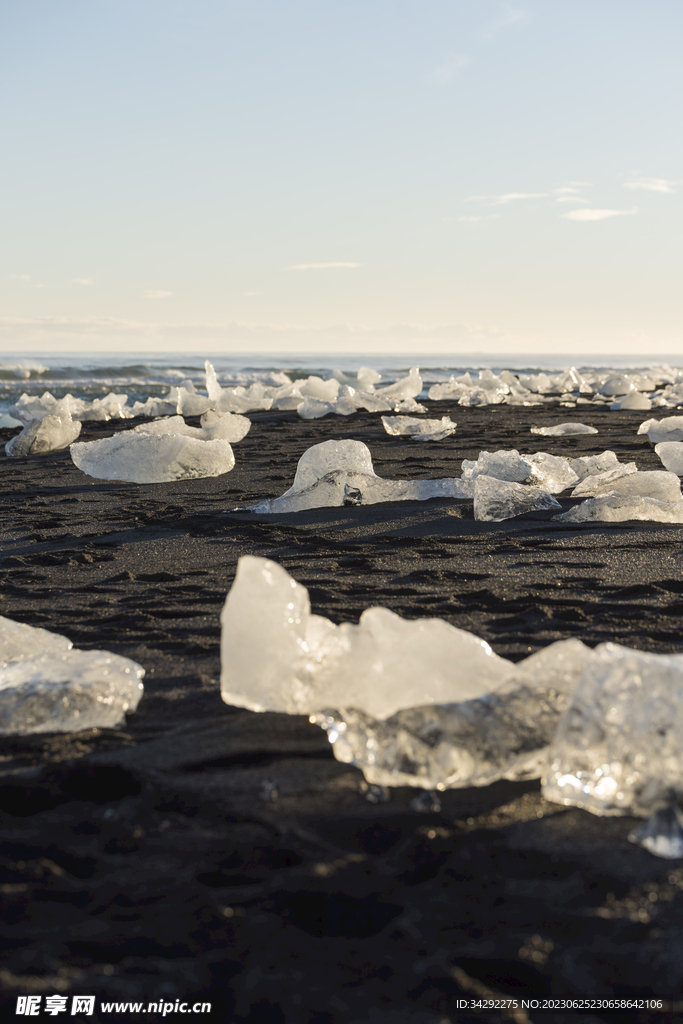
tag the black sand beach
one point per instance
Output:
(202, 852)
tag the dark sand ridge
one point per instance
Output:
(153, 862)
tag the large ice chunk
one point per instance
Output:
(668, 429)
(46, 686)
(335, 473)
(553, 473)
(496, 500)
(54, 431)
(591, 465)
(564, 429)
(145, 458)
(621, 508)
(671, 455)
(503, 465)
(228, 426)
(618, 748)
(502, 735)
(650, 484)
(419, 429)
(277, 656)
(636, 402)
(598, 483)
(406, 387)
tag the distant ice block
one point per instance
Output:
(277, 656)
(621, 508)
(238, 399)
(227, 427)
(503, 465)
(53, 432)
(594, 483)
(335, 473)
(668, 429)
(32, 407)
(656, 484)
(618, 384)
(501, 735)
(618, 748)
(496, 500)
(315, 408)
(552, 473)
(406, 387)
(590, 465)
(419, 429)
(564, 429)
(145, 458)
(635, 401)
(46, 686)
(671, 455)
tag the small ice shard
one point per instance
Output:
(503, 465)
(335, 473)
(571, 380)
(46, 686)
(277, 656)
(408, 405)
(551, 472)
(635, 401)
(564, 429)
(315, 408)
(53, 432)
(239, 399)
(671, 455)
(500, 735)
(656, 484)
(406, 387)
(662, 833)
(618, 748)
(496, 500)
(144, 458)
(668, 429)
(590, 465)
(419, 429)
(621, 508)
(597, 483)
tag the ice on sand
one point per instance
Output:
(591, 465)
(662, 833)
(618, 748)
(145, 458)
(668, 429)
(335, 473)
(593, 483)
(54, 431)
(657, 484)
(496, 500)
(671, 455)
(552, 473)
(564, 429)
(47, 686)
(277, 656)
(229, 426)
(419, 429)
(620, 508)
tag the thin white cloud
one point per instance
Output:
(593, 215)
(20, 277)
(446, 71)
(153, 294)
(82, 280)
(38, 285)
(323, 266)
(509, 17)
(570, 199)
(652, 184)
(507, 197)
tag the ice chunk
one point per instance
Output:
(276, 656)
(671, 455)
(551, 472)
(315, 408)
(406, 387)
(635, 401)
(618, 384)
(564, 429)
(418, 429)
(46, 686)
(621, 508)
(227, 427)
(590, 465)
(51, 433)
(594, 483)
(668, 429)
(31, 407)
(650, 484)
(502, 735)
(496, 500)
(662, 833)
(408, 405)
(239, 399)
(145, 458)
(618, 748)
(316, 387)
(335, 473)
(503, 465)
(571, 380)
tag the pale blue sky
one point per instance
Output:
(357, 175)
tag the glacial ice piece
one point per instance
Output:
(668, 429)
(54, 431)
(571, 380)
(501, 735)
(553, 473)
(419, 429)
(564, 429)
(277, 656)
(315, 408)
(503, 465)
(32, 407)
(46, 686)
(335, 473)
(144, 458)
(496, 500)
(101, 410)
(635, 401)
(618, 384)
(239, 399)
(618, 748)
(406, 406)
(671, 455)
(228, 426)
(656, 484)
(662, 833)
(406, 387)
(621, 508)
(590, 465)
(316, 387)
(595, 482)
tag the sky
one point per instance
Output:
(448, 176)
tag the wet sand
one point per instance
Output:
(205, 852)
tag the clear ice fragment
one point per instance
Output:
(598, 483)
(661, 834)
(671, 455)
(564, 429)
(621, 508)
(277, 656)
(656, 484)
(635, 402)
(552, 473)
(419, 429)
(668, 429)
(496, 500)
(145, 458)
(53, 432)
(591, 465)
(47, 686)
(503, 465)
